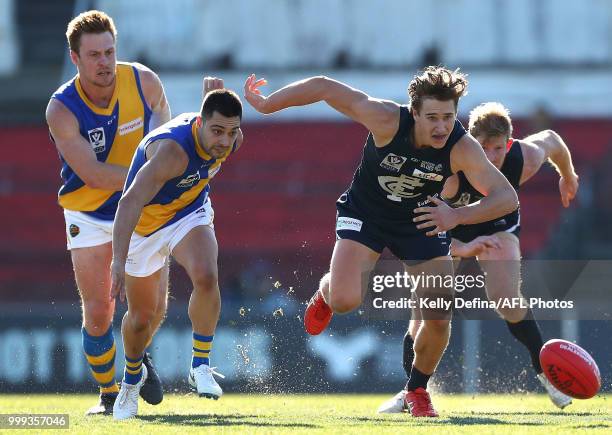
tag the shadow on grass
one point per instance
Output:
(444, 421)
(220, 420)
(541, 413)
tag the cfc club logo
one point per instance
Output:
(97, 139)
(401, 187)
(463, 200)
(393, 162)
(74, 230)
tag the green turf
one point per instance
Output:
(336, 414)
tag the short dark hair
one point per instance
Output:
(439, 83)
(224, 101)
(88, 22)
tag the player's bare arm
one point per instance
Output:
(166, 160)
(500, 198)
(381, 117)
(548, 145)
(79, 154)
(155, 96)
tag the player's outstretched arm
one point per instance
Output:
(548, 145)
(167, 160)
(75, 149)
(381, 117)
(500, 197)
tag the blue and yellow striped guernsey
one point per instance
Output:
(181, 195)
(113, 132)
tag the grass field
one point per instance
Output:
(329, 414)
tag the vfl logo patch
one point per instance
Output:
(190, 180)
(74, 230)
(130, 126)
(347, 223)
(393, 162)
(427, 175)
(500, 222)
(97, 139)
(400, 187)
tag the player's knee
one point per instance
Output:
(343, 302)
(97, 315)
(141, 320)
(511, 315)
(438, 326)
(205, 280)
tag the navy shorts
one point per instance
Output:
(404, 241)
(508, 224)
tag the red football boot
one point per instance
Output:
(317, 315)
(419, 404)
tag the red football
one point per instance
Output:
(570, 368)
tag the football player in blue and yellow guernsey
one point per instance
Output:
(166, 210)
(96, 120)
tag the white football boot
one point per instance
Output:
(126, 404)
(558, 398)
(395, 405)
(202, 380)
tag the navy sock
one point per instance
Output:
(417, 379)
(408, 353)
(528, 333)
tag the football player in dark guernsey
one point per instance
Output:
(394, 199)
(495, 244)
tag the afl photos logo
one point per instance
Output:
(97, 139)
(393, 162)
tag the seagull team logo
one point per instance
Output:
(401, 187)
(393, 162)
(97, 139)
(190, 180)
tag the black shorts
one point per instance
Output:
(508, 224)
(404, 241)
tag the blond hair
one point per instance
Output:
(489, 120)
(88, 22)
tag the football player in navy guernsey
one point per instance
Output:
(496, 243)
(394, 199)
